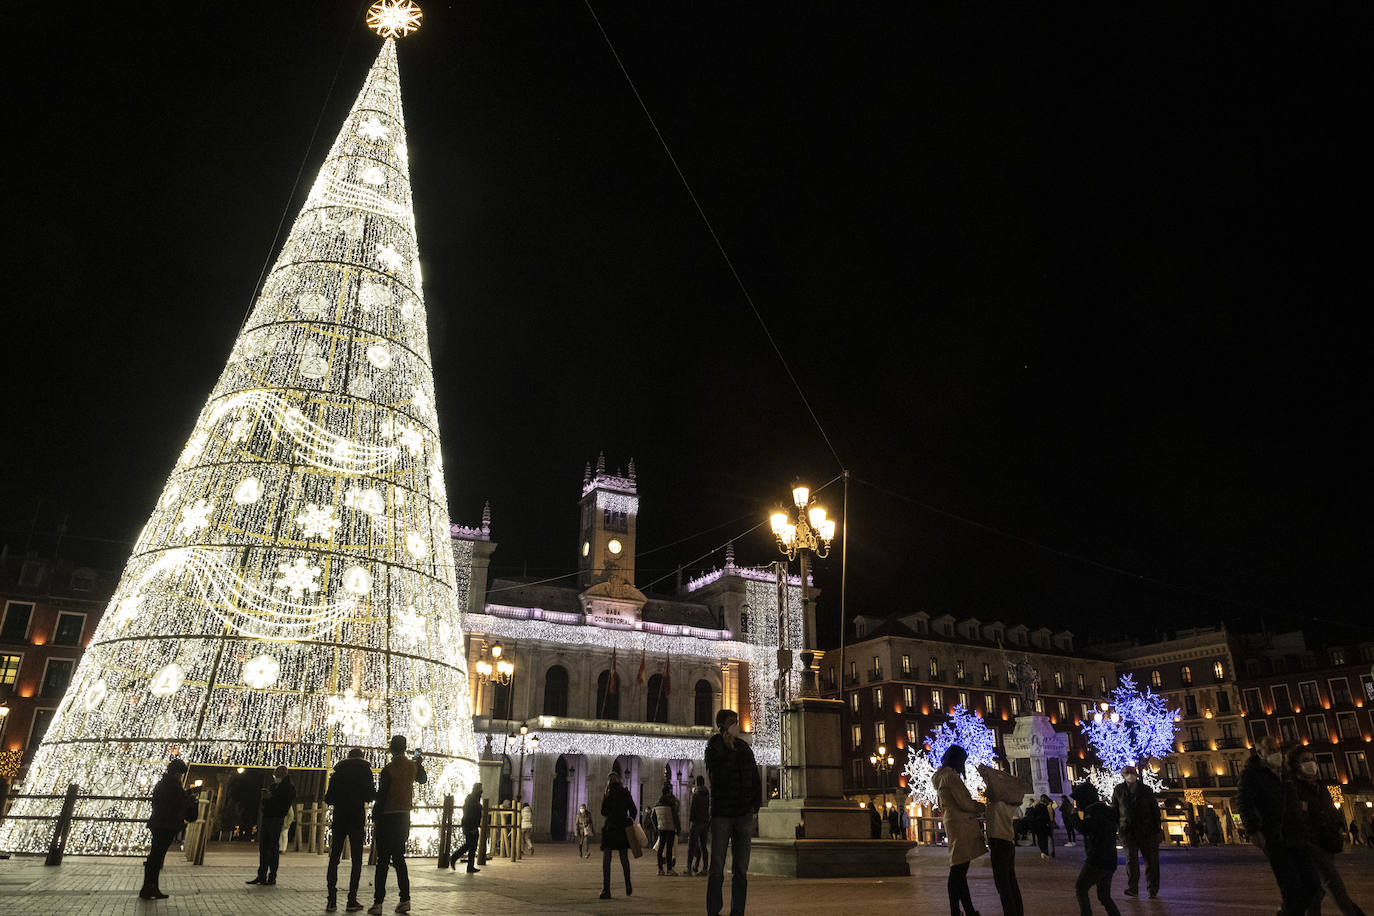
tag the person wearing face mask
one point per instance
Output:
(960, 813)
(1138, 814)
(276, 802)
(1272, 816)
(1325, 829)
(584, 832)
(618, 813)
(736, 793)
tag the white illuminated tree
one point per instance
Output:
(293, 592)
(964, 728)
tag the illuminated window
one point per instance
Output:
(906, 664)
(963, 699)
(1059, 680)
(911, 740)
(937, 705)
(854, 702)
(1063, 711)
(1185, 674)
(9, 669)
(934, 667)
(877, 698)
(880, 732)
(1155, 679)
(959, 671)
(1081, 685)
(1102, 684)
(908, 697)
(987, 673)
(1218, 670)
(989, 705)
(1015, 706)
(858, 734)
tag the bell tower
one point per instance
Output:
(606, 547)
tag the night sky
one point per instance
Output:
(1076, 297)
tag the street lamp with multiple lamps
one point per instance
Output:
(495, 671)
(810, 533)
(882, 762)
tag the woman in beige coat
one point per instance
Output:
(962, 830)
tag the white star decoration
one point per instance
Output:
(349, 712)
(412, 440)
(298, 578)
(410, 625)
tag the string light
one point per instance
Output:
(963, 727)
(305, 515)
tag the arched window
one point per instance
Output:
(1219, 670)
(703, 707)
(556, 691)
(607, 701)
(1155, 679)
(1185, 674)
(656, 705)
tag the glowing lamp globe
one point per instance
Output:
(801, 496)
(778, 520)
(828, 530)
(816, 516)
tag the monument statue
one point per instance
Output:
(1027, 680)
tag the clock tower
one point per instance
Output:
(610, 504)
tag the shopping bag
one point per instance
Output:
(638, 840)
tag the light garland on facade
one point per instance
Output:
(291, 595)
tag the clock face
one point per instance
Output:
(586, 547)
(614, 547)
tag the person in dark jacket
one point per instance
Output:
(1270, 812)
(472, 828)
(875, 820)
(1065, 808)
(698, 824)
(1138, 813)
(1041, 823)
(736, 794)
(276, 802)
(350, 789)
(173, 806)
(1325, 829)
(1097, 822)
(391, 822)
(618, 813)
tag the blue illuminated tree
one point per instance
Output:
(964, 728)
(1137, 726)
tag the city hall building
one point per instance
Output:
(609, 676)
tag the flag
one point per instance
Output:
(667, 676)
(612, 683)
(639, 678)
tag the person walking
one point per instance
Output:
(1004, 793)
(1269, 811)
(391, 822)
(618, 815)
(471, 825)
(276, 802)
(584, 831)
(736, 794)
(894, 823)
(526, 830)
(1137, 812)
(960, 813)
(1038, 818)
(173, 808)
(1355, 839)
(698, 823)
(1065, 809)
(669, 825)
(875, 820)
(1098, 826)
(350, 789)
(1324, 828)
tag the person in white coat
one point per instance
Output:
(960, 813)
(527, 830)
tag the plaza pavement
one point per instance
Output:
(1228, 880)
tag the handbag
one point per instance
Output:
(638, 839)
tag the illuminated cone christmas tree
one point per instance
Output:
(293, 594)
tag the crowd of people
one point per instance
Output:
(1285, 811)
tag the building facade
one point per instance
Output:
(1320, 697)
(609, 676)
(48, 610)
(903, 675)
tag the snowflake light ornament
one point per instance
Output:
(374, 176)
(424, 406)
(416, 546)
(357, 581)
(128, 610)
(393, 18)
(94, 695)
(239, 431)
(248, 491)
(261, 671)
(412, 440)
(317, 521)
(410, 625)
(421, 711)
(365, 500)
(391, 258)
(374, 129)
(298, 577)
(349, 712)
(167, 681)
(195, 516)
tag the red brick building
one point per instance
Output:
(48, 610)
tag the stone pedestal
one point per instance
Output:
(1040, 753)
(818, 833)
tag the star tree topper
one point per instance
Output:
(393, 18)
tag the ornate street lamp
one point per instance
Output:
(494, 671)
(528, 743)
(882, 762)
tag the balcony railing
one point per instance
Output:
(1199, 782)
(990, 681)
(936, 677)
(1230, 744)
(875, 675)
(1195, 746)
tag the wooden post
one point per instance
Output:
(205, 816)
(483, 832)
(64, 824)
(446, 832)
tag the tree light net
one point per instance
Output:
(293, 592)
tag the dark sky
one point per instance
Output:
(1075, 296)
